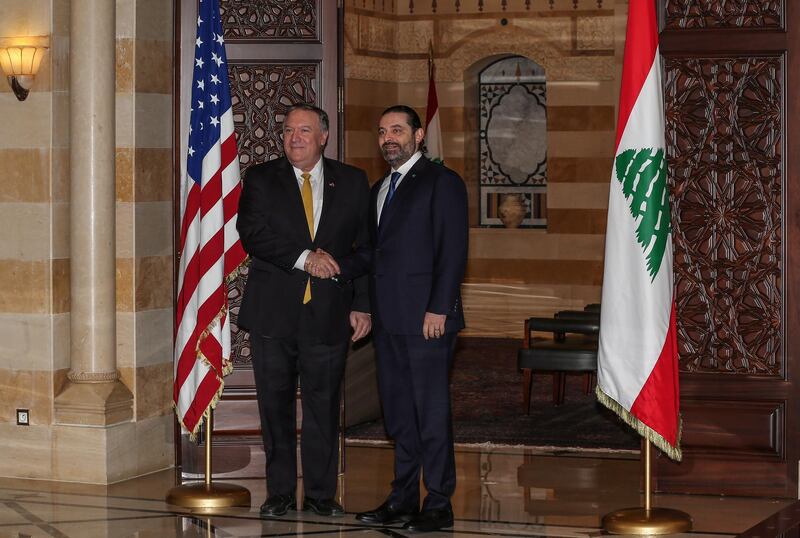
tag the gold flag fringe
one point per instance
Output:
(674, 452)
(227, 368)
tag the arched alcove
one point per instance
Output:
(512, 139)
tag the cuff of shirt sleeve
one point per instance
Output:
(301, 261)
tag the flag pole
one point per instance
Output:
(647, 520)
(206, 497)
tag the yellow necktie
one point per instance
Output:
(308, 207)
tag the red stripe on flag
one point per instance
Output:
(658, 404)
(192, 207)
(433, 103)
(205, 394)
(641, 43)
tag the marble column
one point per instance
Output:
(93, 394)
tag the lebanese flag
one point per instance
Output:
(637, 370)
(433, 129)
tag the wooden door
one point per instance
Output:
(732, 95)
(279, 53)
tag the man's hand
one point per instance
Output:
(321, 264)
(433, 325)
(361, 324)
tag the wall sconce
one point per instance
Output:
(21, 64)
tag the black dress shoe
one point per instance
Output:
(323, 507)
(388, 513)
(431, 520)
(277, 505)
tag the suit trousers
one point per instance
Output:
(413, 378)
(277, 364)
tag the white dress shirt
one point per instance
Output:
(384, 190)
(317, 189)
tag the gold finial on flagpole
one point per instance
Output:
(647, 520)
(205, 497)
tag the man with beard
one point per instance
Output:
(290, 209)
(420, 231)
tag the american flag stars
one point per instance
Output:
(209, 74)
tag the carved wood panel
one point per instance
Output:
(261, 94)
(684, 14)
(290, 20)
(724, 132)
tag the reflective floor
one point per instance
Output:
(501, 492)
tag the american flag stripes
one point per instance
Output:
(210, 251)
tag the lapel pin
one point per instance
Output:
(331, 184)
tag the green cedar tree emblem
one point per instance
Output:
(643, 175)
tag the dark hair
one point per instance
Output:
(412, 118)
(323, 116)
(411, 115)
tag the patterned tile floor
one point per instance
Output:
(501, 492)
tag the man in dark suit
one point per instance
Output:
(292, 212)
(420, 231)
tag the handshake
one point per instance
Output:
(320, 264)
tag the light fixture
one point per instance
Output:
(21, 64)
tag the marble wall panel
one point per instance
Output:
(29, 121)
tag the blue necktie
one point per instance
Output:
(392, 187)
(390, 193)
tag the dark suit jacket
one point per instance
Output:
(418, 255)
(273, 230)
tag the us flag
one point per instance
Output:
(210, 251)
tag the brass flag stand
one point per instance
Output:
(205, 497)
(647, 520)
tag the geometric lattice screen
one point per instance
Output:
(513, 139)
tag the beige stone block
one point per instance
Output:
(27, 342)
(25, 18)
(371, 93)
(581, 92)
(153, 282)
(93, 404)
(25, 175)
(153, 390)
(124, 65)
(154, 337)
(61, 339)
(60, 120)
(126, 341)
(29, 224)
(79, 454)
(580, 144)
(154, 19)
(125, 284)
(153, 175)
(29, 121)
(31, 291)
(60, 19)
(523, 244)
(153, 128)
(123, 159)
(595, 33)
(126, 18)
(58, 57)
(61, 286)
(153, 65)
(26, 389)
(154, 226)
(59, 170)
(124, 221)
(26, 451)
(577, 195)
(60, 229)
(124, 120)
(155, 444)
